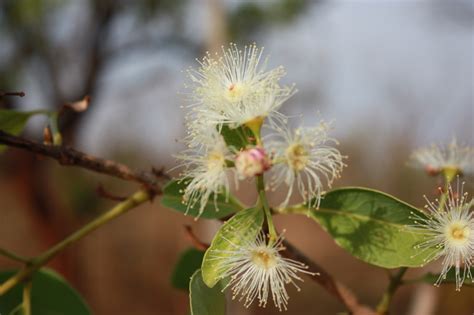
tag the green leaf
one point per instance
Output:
(242, 227)
(13, 122)
(238, 137)
(188, 263)
(372, 226)
(204, 300)
(173, 198)
(450, 278)
(50, 294)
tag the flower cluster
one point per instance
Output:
(235, 93)
(235, 90)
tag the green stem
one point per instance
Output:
(12, 256)
(26, 304)
(448, 178)
(266, 208)
(395, 282)
(136, 199)
(53, 124)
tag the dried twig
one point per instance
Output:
(20, 94)
(337, 289)
(71, 157)
(102, 192)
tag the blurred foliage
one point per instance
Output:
(250, 17)
(50, 294)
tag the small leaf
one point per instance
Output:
(372, 226)
(13, 122)
(204, 300)
(238, 137)
(188, 263)
(50, 294)
(450, 278)
(242, 227)
(173, 198)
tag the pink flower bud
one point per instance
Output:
(252, 162)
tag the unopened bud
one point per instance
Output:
(252, 162)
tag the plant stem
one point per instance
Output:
(264, 202)
(395, 282)
(12, 256)
(26, 304)
(136, 199)
(448, 178)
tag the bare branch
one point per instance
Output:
(337, 289)
(20, 94)
(71, 157)
(102, 192)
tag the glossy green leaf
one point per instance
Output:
(204, 300)
(238, 137)
(13, 122)
(450, 278)
(372, 226)
(173, 198)
(242, 227)
(188, 263)
(50, 294)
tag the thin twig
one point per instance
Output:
(194, 239)
(71, 157)
(337, 289)
(12, 256)
(395, 282)
(20, 94)
(102, 192)
(133, 201)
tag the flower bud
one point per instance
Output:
(252, 162)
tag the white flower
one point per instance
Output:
(303, 159)
(256, 268)
(252, 162)
(236, 87)
(449, 229)
(435, 159)
(205, 170)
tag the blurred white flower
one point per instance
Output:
(449, 230)
(252, 162)
(434, 159)
(235, 88)
(205, 170)
(256, 268)
(303, 159)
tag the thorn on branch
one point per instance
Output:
(194, 239)
(20, 94)
(102, 192)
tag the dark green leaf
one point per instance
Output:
(450, 278)
(188, 263)
(50, 295)
(372, 226)
(13, 122)
(173, 198)
(204, 300)
(238, 137)
(242, 227)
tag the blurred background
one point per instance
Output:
(392, 75)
